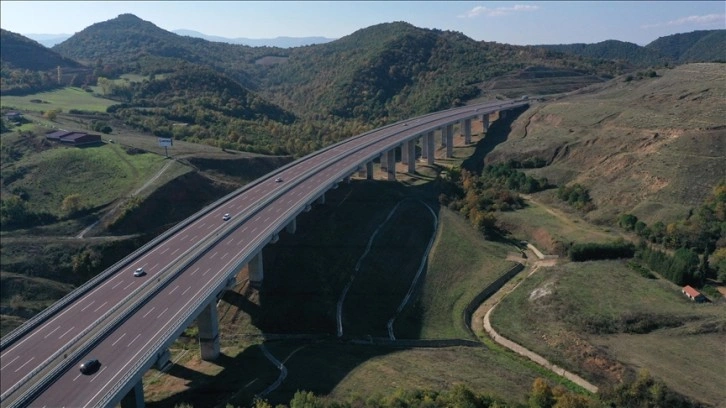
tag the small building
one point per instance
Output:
(73, 138)
(693, 294)
(14, 116)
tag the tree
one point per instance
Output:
(72, 204)
(541, 395)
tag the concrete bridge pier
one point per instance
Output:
(424, 146)
(391, 164)
(384, 165)
(410, 148)
(321, 199)
(449, 141)
(431, 149)
(484, 123)
(208, 325)
(292, 226)
(369, 170)
(256, 272)
(443, 136)
(404, 153)
(502, 114)
(135, 397)
(467, 131)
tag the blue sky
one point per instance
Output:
(511, 22)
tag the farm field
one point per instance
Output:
(64, 99)
(605, 321)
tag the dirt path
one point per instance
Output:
(480, 323)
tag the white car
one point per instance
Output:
(278, 180)
(139, 272)
(226, 217)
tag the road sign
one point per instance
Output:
(165, 142)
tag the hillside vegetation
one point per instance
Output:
(651, 146)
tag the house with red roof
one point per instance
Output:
(693, 294)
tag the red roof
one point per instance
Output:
(691, 292)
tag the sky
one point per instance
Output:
(510, 22)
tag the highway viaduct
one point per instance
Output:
(128, 323)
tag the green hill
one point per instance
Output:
(696, 46)
(18, 51)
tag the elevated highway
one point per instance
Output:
(128, 322)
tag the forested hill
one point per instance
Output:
(129, 44)
(21, 52)
(394, 70)
(696, 46)
(613, 50)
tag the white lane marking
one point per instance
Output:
(185, 291)
(175, 251)
(104, 304)
(10, 362)
(48, 335)
(73, 380)
(253, 230)
(119, 339)
(205, 272)
(213, 255)
(132, 341)
(224, 256)
(164, 251)
(67, 331)
(202, 224)
(147, 313)
(184, 237)
(266, 219)
(162, 313)
(24, 364)
(174, 290)
(119, 282)
(210, 226)
(195, 271)
(129, 285)
(89, 305)
(97, 374)
(154, 267)
(194, 238)
(243, 229)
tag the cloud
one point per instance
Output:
(498, 11)
(694, 20)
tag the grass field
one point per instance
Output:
(99, 175)
(64, 99)
(605, 321)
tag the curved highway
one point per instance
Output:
(184, 273)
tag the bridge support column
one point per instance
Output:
(391, 164)
(443, 136)
(369, 170)
(432, 150)
(502, 114)
(410, 147)
(255, 270)
(383, 161)
(208, 324)
(484, 124)
(361, 171)
(292, 226)
(321, 199)
(404, 153)
(467, 131)
(449, 141)
(424, 145)
(135, 397)
(162, 359)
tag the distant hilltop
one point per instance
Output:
(49, 40)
